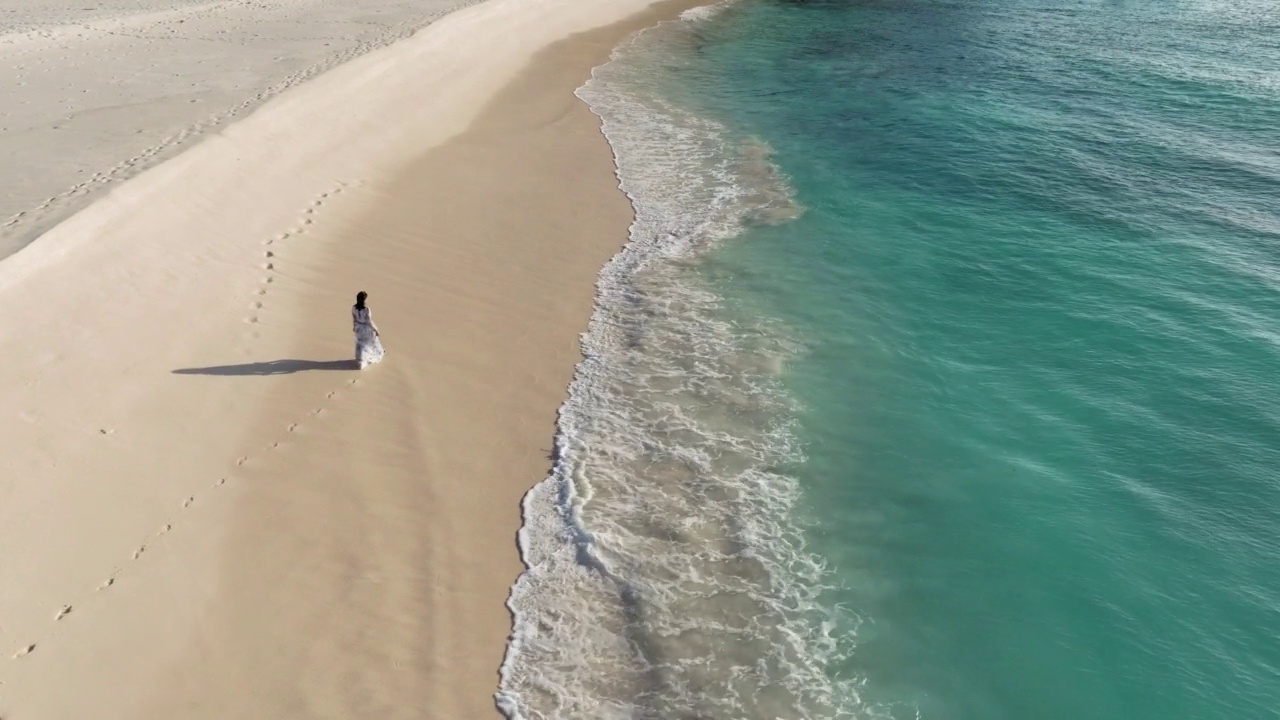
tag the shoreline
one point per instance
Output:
(218, 498)
(456, 446)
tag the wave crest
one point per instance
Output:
(665, 575)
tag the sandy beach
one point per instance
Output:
(205, 511)
(95, 93)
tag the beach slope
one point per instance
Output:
(204, 510)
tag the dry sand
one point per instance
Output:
(95, 92)
(204, 512)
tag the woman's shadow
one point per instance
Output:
(270, 367)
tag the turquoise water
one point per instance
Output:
(941, 380)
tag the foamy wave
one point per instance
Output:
(664, 576)
(704, 12)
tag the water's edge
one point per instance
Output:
(663, 573)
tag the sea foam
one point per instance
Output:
(665, 574)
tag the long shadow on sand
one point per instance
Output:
(270, 367)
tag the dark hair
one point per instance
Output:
(360, 296)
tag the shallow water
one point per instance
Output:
(939, 380)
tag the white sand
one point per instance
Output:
(95, 92)
(202, 512)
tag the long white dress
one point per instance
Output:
(368, 346)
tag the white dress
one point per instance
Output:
(368, 346)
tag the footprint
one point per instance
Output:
(221, 481)
(270, 254)
(65, 611)
(269, 266)
(332, 393)
(186, 504)
(25, 651)
(242, 461)
(317, 411)
(293, 427)
(167, 526)
(257, 306)
(107, 583)
(138, 553)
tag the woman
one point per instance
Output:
(368, 345)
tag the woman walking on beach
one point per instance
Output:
(368, 344)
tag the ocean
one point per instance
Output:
(940, 378)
